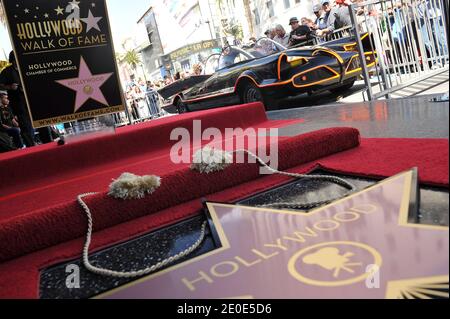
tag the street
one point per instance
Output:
(317, 99)
(414, 117)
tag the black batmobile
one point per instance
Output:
(268, 72)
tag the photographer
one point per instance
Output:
(8, 122)
(300, 33)
(9, 81)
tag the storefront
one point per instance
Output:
(184, 58)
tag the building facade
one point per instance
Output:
(266, 13)
(184, 32)
(152, 48)
(188, 31)
(184, 58)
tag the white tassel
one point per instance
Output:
(209, 160)
(130, 186)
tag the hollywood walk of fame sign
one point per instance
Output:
(359, 247)
(66, 59)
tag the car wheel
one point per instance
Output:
(341, 89)
(181, 107)
(251, 93)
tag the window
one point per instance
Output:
(287, 4)
(231, 56)
(257, 18)
(212, 64)
(269, 5)
(150, 37)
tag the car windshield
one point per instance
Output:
(232, 55)
(264, 47)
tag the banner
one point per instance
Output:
(66, 59)
(194, 48)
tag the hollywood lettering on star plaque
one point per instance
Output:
(363, 246)
(66, 59)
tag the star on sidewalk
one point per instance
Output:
(91, 22)
(87, 86)
(329, 253)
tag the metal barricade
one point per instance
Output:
(140, 110)
(339, 34)
(152, 100)
(311, 42)
(136, 111)
(336, 35)
(410, 39)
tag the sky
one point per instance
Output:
(123, 17)
(124, 14)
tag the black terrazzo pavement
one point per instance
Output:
(152, 248)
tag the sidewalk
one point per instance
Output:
(411, 117)
(437, 84)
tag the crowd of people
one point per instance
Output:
(136, 97)
(139, 93)
(331, 15)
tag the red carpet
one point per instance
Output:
(44, 228)
(61, 227)
(65, 172)
(20, 278)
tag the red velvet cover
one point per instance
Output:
(27, 226)
(53, 225)
(50, 175)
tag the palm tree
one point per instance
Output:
(248, 16)
(132, 58)
(234, 30)
(3, 64)
(119, 57)
(220, 5)
(231, 27)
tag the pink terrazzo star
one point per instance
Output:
(87, 85)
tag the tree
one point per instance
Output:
(234, 30)
(248, 16)
(232, 27)
(132, 58)
(2, 14)
(3, 65)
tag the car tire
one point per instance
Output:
(181, 107)
(251, 93)
(341, 89)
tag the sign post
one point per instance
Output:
(65, 54)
